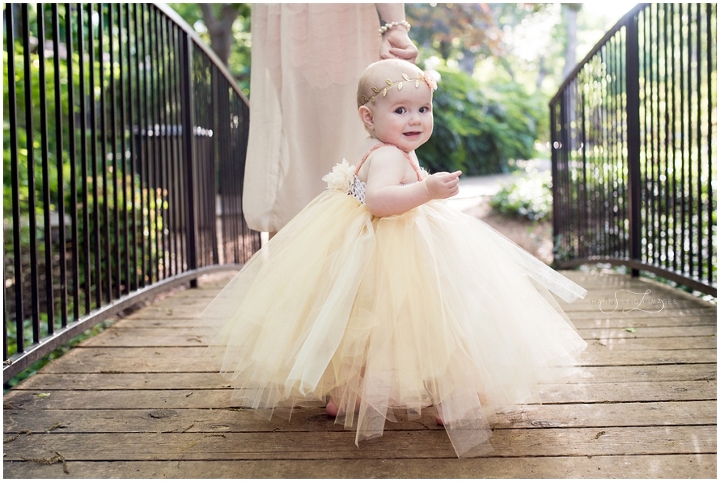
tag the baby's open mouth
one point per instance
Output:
(412, 134)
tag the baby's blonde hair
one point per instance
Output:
(377, 73)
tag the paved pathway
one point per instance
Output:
(472, 188)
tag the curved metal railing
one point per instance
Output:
(634, 130)
(124, 153)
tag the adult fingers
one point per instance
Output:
(409, 54)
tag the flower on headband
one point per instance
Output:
(428, 78)
(341, 177)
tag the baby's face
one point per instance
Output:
(404, 117)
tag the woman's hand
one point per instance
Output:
(396, 44)
(443, 185)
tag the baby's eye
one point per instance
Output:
(400, 110)
(424, 110)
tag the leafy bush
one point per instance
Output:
(528, 197)
(479, 128)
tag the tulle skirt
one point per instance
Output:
(428, 308)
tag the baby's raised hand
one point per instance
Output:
(443, 185)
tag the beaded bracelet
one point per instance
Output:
(388, 26)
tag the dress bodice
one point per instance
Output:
(358, 187)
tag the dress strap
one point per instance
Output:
(378, 146)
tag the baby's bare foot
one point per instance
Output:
(331, 408)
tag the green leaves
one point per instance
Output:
(529, 198)
(478, 128)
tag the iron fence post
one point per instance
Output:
(189, 156)
(554, 173)
(632, 87)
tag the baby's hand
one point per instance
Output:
(443, 185)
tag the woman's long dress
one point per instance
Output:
(306, 61)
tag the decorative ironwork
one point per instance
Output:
(125, 148)
(633, 130)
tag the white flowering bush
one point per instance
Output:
(529, 197)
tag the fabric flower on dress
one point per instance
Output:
(341, 177)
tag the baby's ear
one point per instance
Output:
(366, 116)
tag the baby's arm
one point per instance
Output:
(385, 197)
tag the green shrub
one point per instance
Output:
(528, 197)
(479, 128)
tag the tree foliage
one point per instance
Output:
(514, 52)
(456, 31)
(479, 127)
(231, 40)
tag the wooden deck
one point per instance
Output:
(137, 402)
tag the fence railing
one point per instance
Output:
(124, 153)
(634, 132)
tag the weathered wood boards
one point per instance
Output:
(631, 467)
(140, 401)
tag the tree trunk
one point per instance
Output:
(220, 29)
(570, 12)
(467, 63)
(542, 73)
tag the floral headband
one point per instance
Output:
(424, 76)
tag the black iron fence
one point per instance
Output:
(634, 132)
(124, 152)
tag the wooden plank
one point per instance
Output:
(204, 380)
(192, 360)
(590, 278)
(579, 319)
(659, 306)
(647, 357)
(340, 445)
(136, 381)
(611, 415)
(594, 332)
(676, 343)
(641, 332)
(603, 303)
(620, 467)
(618, 339)
(612, 300)
(593, 279)
(219, 277)
(655, 322)
(140, 323)
(678, 315)
(629, 392)
(167, 420)
(637, 287)
(197, 336)
(162, 312)
(647, 373)
(221, 398)
(151, 336)
(314, 419)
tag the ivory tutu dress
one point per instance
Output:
(430, 307)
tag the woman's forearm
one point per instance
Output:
(390, 12)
